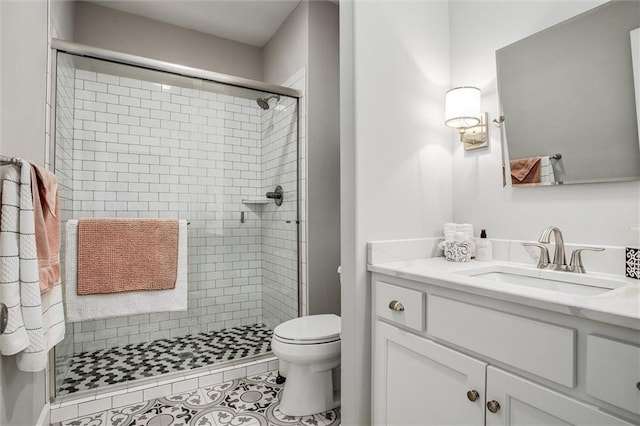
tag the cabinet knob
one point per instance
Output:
(493, 406)
(394, 305)
(472, 395)
(638, 385)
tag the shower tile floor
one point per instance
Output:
(90, 370)
(251, 401)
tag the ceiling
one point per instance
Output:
(251, 22)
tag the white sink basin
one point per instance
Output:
(562, 282)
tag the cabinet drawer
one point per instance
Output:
(539, 348)
(413, 302)
(613, 372)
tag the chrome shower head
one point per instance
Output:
(264, 102)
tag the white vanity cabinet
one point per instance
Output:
(420, 382)
(446, 357)
(519, 402)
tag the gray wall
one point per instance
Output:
(356, 405)
(23, 43)
(24, 67)
(62, 19)
(114, 30)
(309, 38)
(323, 154)
(288, 49)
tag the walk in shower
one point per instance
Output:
(154, 140)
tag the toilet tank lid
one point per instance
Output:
(312, 327)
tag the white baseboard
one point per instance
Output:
(45, 416)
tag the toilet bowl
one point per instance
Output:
(308, 349)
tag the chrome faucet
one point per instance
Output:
(559, 259)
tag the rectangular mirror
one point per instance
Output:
(568, 100)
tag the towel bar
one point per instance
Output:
(4, 160)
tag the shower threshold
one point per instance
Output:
(121, 365)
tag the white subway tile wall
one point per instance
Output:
(279, 227)
(151, 150)
(129, 164)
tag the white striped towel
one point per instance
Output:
(82, 308)
(547, 174)
(36, 323)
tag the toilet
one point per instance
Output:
(308, 349)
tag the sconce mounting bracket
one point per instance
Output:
(477, 136)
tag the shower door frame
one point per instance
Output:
(77, 49)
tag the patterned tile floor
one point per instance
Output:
(252, 401)
(90, 370)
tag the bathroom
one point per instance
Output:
(403, 173)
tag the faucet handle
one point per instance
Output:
(543, 261)
(576, 258)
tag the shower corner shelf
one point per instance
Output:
(256, 200)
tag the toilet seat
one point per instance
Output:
(310, 330)
(307, 342)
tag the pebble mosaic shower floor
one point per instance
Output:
(251, 401)
(90, 370)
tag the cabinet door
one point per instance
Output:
(418, 382)
(522, 402)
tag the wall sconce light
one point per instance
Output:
(462, 111)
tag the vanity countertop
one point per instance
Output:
(620, 306)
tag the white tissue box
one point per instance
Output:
(457, 251)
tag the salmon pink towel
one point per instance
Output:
(44, 190)
(525, 170)
(118, 255)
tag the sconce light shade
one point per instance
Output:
(462, 107)
(462, 111)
